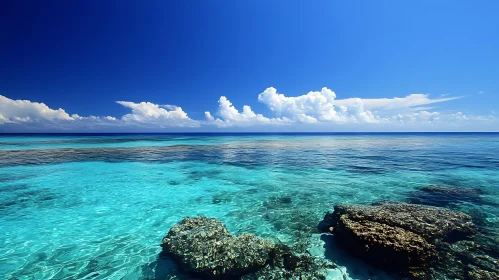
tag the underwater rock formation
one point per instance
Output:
(441, 195)
(427, 221)
(452, 190)
(287, 265)
(204, 246)
(397, 235)
(469, 260)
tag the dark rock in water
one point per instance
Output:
(442, 196)
(469, 260)
(204, 246)
(383, 244)
(429, 222)
(479, 274)
(278, 202)
(286, 265)
(397, 236)
(452, 190)
(290, 261)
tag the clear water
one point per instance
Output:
(96, 207)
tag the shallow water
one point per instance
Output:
(96, 207)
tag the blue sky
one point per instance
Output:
(78, 58)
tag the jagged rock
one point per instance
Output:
(476, 257)
(289, 266)
(397, 236)
(479, 274)
(384, 244)
(429, 222)
(204, 246)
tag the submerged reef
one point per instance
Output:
(443, 195)
(203, 247)
(397, 236)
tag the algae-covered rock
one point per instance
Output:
(426, 221)
(479, 274)
(384, 244)
(204, 246)
(287, 265)
(397, 236)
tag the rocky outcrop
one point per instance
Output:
(286, 265)
(470, 260)
(385, 244)
(429, 222)
(479, 274)
(203, 246)
(397, 235)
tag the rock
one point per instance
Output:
(429, 222)
(442, 196)
(452, 190)
(479, 274)
(203, 246)
(278, 202)
(397, 236)
(384, 244)
(293, 267)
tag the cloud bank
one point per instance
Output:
(315, 110)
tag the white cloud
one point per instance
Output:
(208, 116)
(230, 116)
(320, 110)
(144, 114)
(147, 113)
(315, 104)
(396, 103)
(19, 111)
(323, 106)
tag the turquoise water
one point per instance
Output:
(96, 207)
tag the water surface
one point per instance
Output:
(96, 207)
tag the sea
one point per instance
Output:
(96, 206)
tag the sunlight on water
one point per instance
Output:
(97, 208)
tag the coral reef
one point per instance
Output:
(429, 222)
(202, 246)
(468, 260)
(287, 265)
(397, 236)
(442, 195)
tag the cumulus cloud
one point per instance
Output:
(144, 114)
(324, 106)
(19, 111)
(315, 109)
(230, 116)
(147, 113)
(317, 106)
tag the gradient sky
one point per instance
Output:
(84, 56)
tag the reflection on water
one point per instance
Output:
(97, 208)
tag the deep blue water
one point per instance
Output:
(80, 206)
